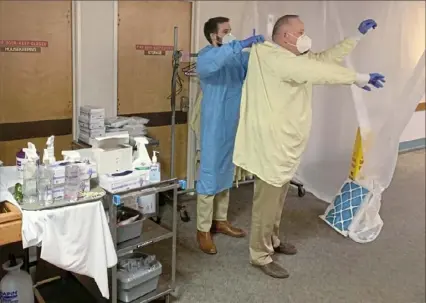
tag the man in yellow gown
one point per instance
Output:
(275, 121)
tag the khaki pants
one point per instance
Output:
(268, 202)
(211, 207)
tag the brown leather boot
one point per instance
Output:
(224, 227)
(205, 242)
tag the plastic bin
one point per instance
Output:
(132, 230)
(132, 285)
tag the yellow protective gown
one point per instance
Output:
(276, 111)
(194, 123)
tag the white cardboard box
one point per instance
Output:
(89, 109)
(92, 117)
(90, 126)
(92, 133)
(112, 160)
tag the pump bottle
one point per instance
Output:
(155, 171)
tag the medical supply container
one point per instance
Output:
(72, 182)
(16, 285)
(129, 222)
(45, 185)
(138, 274)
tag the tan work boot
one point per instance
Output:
(224, 227)
(205, 242)
(274, 270)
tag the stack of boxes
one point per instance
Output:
(91, 123)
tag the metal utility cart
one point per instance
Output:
(151, 233)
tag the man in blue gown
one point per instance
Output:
(221, 67)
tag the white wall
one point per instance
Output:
(95, 55)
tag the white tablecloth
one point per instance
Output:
(75, 238)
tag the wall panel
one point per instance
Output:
(144, 77)
(35, 72)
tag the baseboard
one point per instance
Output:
(412, 145)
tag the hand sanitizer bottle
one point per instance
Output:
(155, 171)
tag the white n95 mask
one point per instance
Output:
(228, 38)
(303, 44)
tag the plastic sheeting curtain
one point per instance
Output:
(396, 49)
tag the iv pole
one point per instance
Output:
(177, 54)
(176, 57)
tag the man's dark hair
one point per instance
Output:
(211, 26)
(280, 22)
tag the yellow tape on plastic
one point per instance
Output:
(357, 157)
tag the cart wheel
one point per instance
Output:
(184, 215)
(175, 293)
(301, 191)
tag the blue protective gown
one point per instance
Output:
(221, 71)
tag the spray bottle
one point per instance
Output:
(155, 171)
(50, 149)
(141, 160)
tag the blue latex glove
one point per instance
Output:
(252, 40)
(366, 25)
(376, 80)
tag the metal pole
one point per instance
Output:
(174, 239)
(113, 228)
(173, 101)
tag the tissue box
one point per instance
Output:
(117, 183)
(59, 172)
(59, 192)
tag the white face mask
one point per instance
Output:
(228, 38)
(303, 43)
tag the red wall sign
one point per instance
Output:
(30, 43)
(22, 46)
(158, 48)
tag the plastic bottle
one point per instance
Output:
(45, 181)
(50, 149)
(30, 169)
(20, 160)
(141, 160)
(16, 286)
(155, 170)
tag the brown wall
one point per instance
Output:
(144, 80)
(35, 87)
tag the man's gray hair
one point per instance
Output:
(280, 22)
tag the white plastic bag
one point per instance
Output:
(367, 224)
(354, 212)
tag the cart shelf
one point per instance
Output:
(151, 233)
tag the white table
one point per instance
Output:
(52, 227)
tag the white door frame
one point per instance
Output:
(77, 52)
